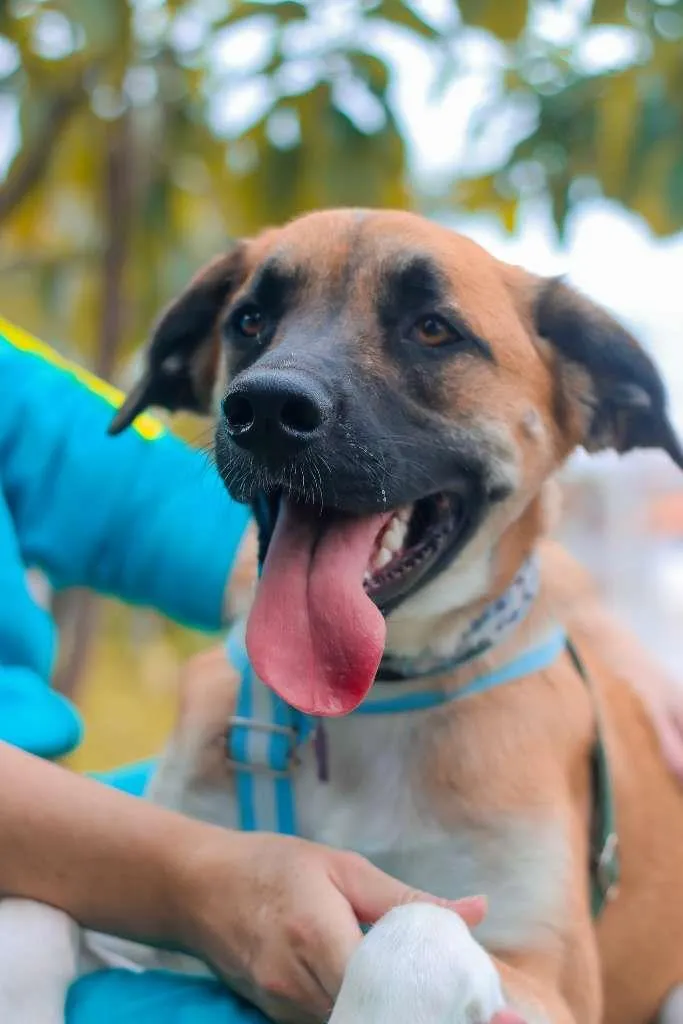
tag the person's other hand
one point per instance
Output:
(278, 917)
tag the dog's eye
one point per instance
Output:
(249, 322)
(432, 330)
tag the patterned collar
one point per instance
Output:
(495, 623)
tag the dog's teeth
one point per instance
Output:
(383, 557)
(393, 538)
(391, 542)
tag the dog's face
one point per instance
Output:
(385, 389)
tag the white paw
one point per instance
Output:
(672, 1010)
(39, 955)
(419, 965)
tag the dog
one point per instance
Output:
(395, 403)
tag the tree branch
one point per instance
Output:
(31, 163)
(118, 202)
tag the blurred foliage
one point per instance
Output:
(151, 132)
(130, 700)
(606, 113)
(135, 160)
(128, 175)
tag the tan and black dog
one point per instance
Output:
(395, 401)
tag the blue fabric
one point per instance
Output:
(271, 793)
(535, 659)
(155, 997)
(266, 797)
(141, 517)
(131, 778)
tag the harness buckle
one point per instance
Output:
(258, 768)
(607, 867)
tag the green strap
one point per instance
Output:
(604, 855)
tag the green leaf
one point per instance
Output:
(285, 12)
(609, 12)
(559, 203)
(398, 12)
(372, 70)
(106, 24)
(335, 164)
(505, 19)
(484, 194)
(617, 106)
(48, 280)
(675, 190)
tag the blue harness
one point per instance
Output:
(266, 732)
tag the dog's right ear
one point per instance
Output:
(182, 357)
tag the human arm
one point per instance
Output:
(276, 916)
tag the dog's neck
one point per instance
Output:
(435, 623)
(485, 632)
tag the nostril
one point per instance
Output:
(301, 415)
(239, 414)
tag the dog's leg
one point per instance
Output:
(39, 958)
(421, 965)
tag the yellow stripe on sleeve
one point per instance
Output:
(147, 426)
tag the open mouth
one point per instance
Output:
(410, 546)
(316, 632)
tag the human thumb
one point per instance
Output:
(372, 894)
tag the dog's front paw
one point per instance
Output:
(419, 965)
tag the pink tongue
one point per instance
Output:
(314, 635)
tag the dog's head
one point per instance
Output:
(387, 390)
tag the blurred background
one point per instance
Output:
(137, 137)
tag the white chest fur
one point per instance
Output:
(379, 803)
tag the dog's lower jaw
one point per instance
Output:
(433, 619)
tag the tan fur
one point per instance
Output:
(519, 753)
(523, 750)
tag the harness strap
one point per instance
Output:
(262, 742)
(266, 732)
(605, 867)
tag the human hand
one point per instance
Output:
(278, 917)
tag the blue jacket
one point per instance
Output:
(142, 517)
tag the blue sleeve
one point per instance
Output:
(32, 716)
(142, 517)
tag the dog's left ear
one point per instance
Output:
(182, 355)
(618, 393)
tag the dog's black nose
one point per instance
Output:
(276, 413)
